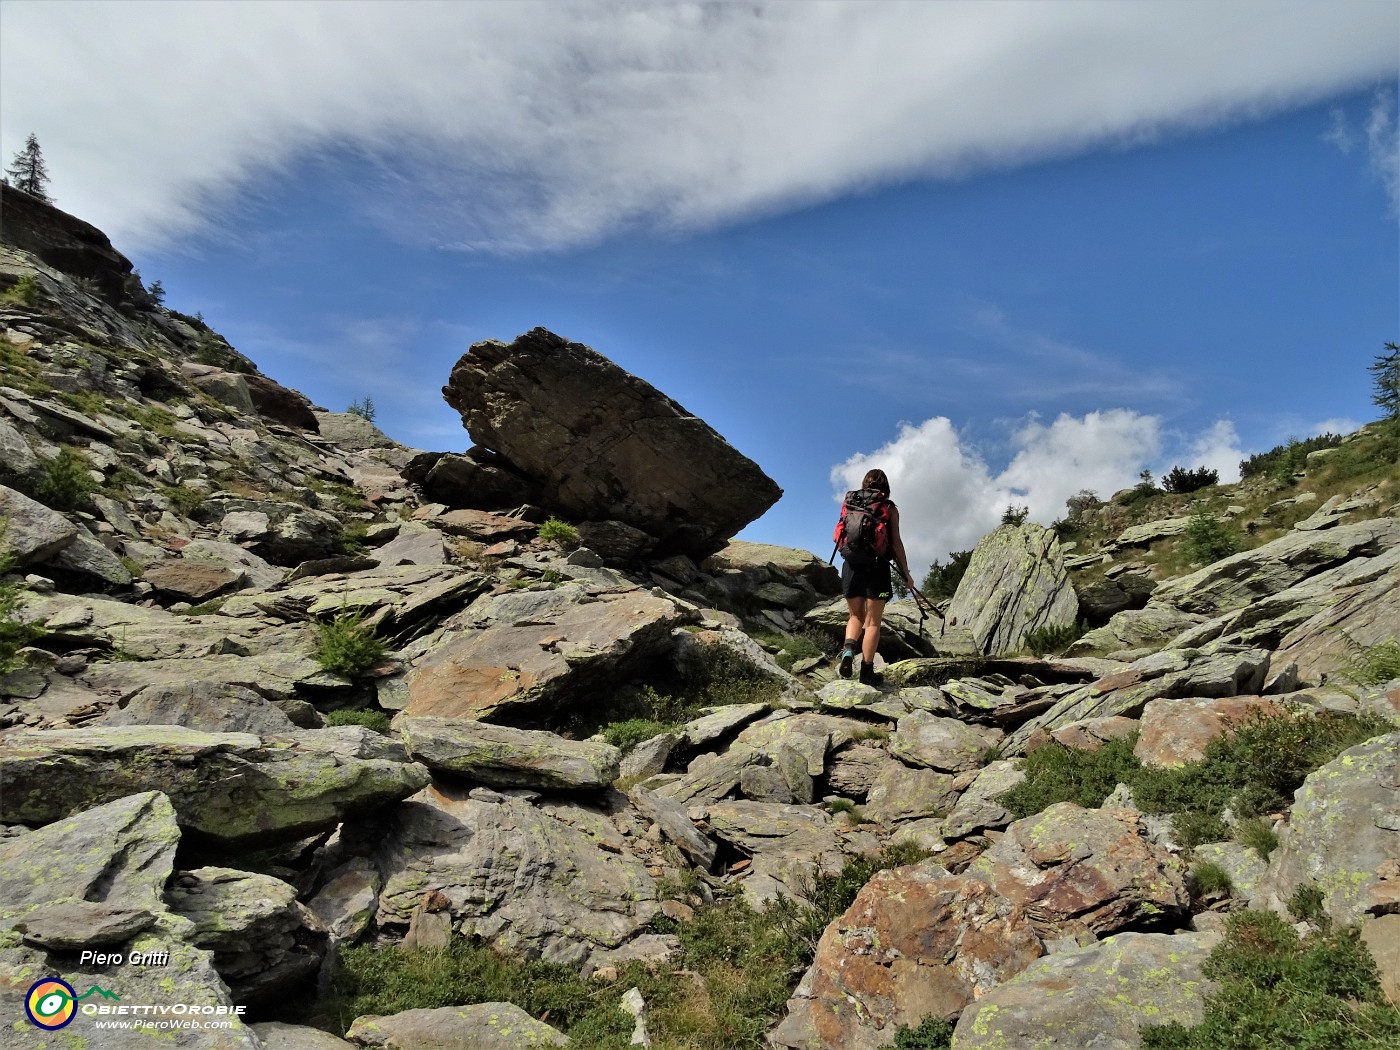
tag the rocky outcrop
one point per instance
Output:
(1343, 833)
(66, 243)
(604, 445)
(916, 942)
(504, 757)
(1099, 996)
(267, 794)
(76, 885)
(1015, 583)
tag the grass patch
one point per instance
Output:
(559, 532)
(24, 292)
(628, 734)
(787, 649)
(347, 646)
(1252, 770)
(1208, 880)
(157, 420)
(838, 806)
(737, 969)
(1056, 773)
(376, 720)
(182, 498)
(1258, 835)
(1046, 641)
(933, 1033)
(1277, 989)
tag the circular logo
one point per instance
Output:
(50, 1003)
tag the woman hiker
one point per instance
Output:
(865, 574)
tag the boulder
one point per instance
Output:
(945, 744)
(269, 794)
(98, 864)
(212, 707)
(17, 459)
(33, 533)
(675, 824)
(480, 479)
(513, 875)
(1343, 833)
(193, 582)
(1099, 996)
(481, 1026)
(263, 939)
(1016, 583)
(1359, 612)
(1148, 628)
(1084, 871)
(505, 757)
(276, 402)
(790, 845)
(1175, 732)
(275, 1035)
(604, 445)
(527, 651)
(916, 942)
(764, 562)
(978, 807)
(66, 243)
(227, 388)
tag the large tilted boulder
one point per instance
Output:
(916, 942)
(1016, 583)
(229, 787)
(604, 445)
(95, 882)
(1100, 996)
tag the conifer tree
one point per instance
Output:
(1386, 370)
(28, 172)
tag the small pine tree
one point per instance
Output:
(363, 408)
(156, 291)
(28, 172)
(1386, 369)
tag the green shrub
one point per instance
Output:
(933, 1033)
(376, 720)
(1275, 989)
(1056, 773)
(628, 734)
(1282, 461)
(1307, 904)
(941, 581)
(1209, 879)
(1374, 664)
(1179, 480)
(787, 648)
(347, 646)
(1209, 538)
(64, 482)
(846, 806)
(1193, 828)
(1015, 515)
(556, 531)
(182, 498)
(1258, 835)
(25, 291)
(1044, 641)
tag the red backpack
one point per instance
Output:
(862, 532)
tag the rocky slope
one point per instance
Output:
(201, 562)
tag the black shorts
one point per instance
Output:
(866, 580)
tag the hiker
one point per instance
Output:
(868, 538)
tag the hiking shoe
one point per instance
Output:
(847, 659)
(870, 676)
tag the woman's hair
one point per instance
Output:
(875, 479)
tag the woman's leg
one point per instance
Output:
(870, 643)
(855, 623)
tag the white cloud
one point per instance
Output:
(1218, 449)
(1341, 425)
(949, 497)
(1383, 145)
(521, 126)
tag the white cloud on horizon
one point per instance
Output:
(520, 126)
(949, 497)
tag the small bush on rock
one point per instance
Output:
(1056, 773)
(933, 1033)
(1045, 641)
(1210, 538)
(376, 720)
(1374, 664)
(25, 291)
(1258, 835)
(560, 532)
(627, 735)
(65, 483)
(1209, 880)
(347, 646)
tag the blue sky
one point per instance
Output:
(1003, 251)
